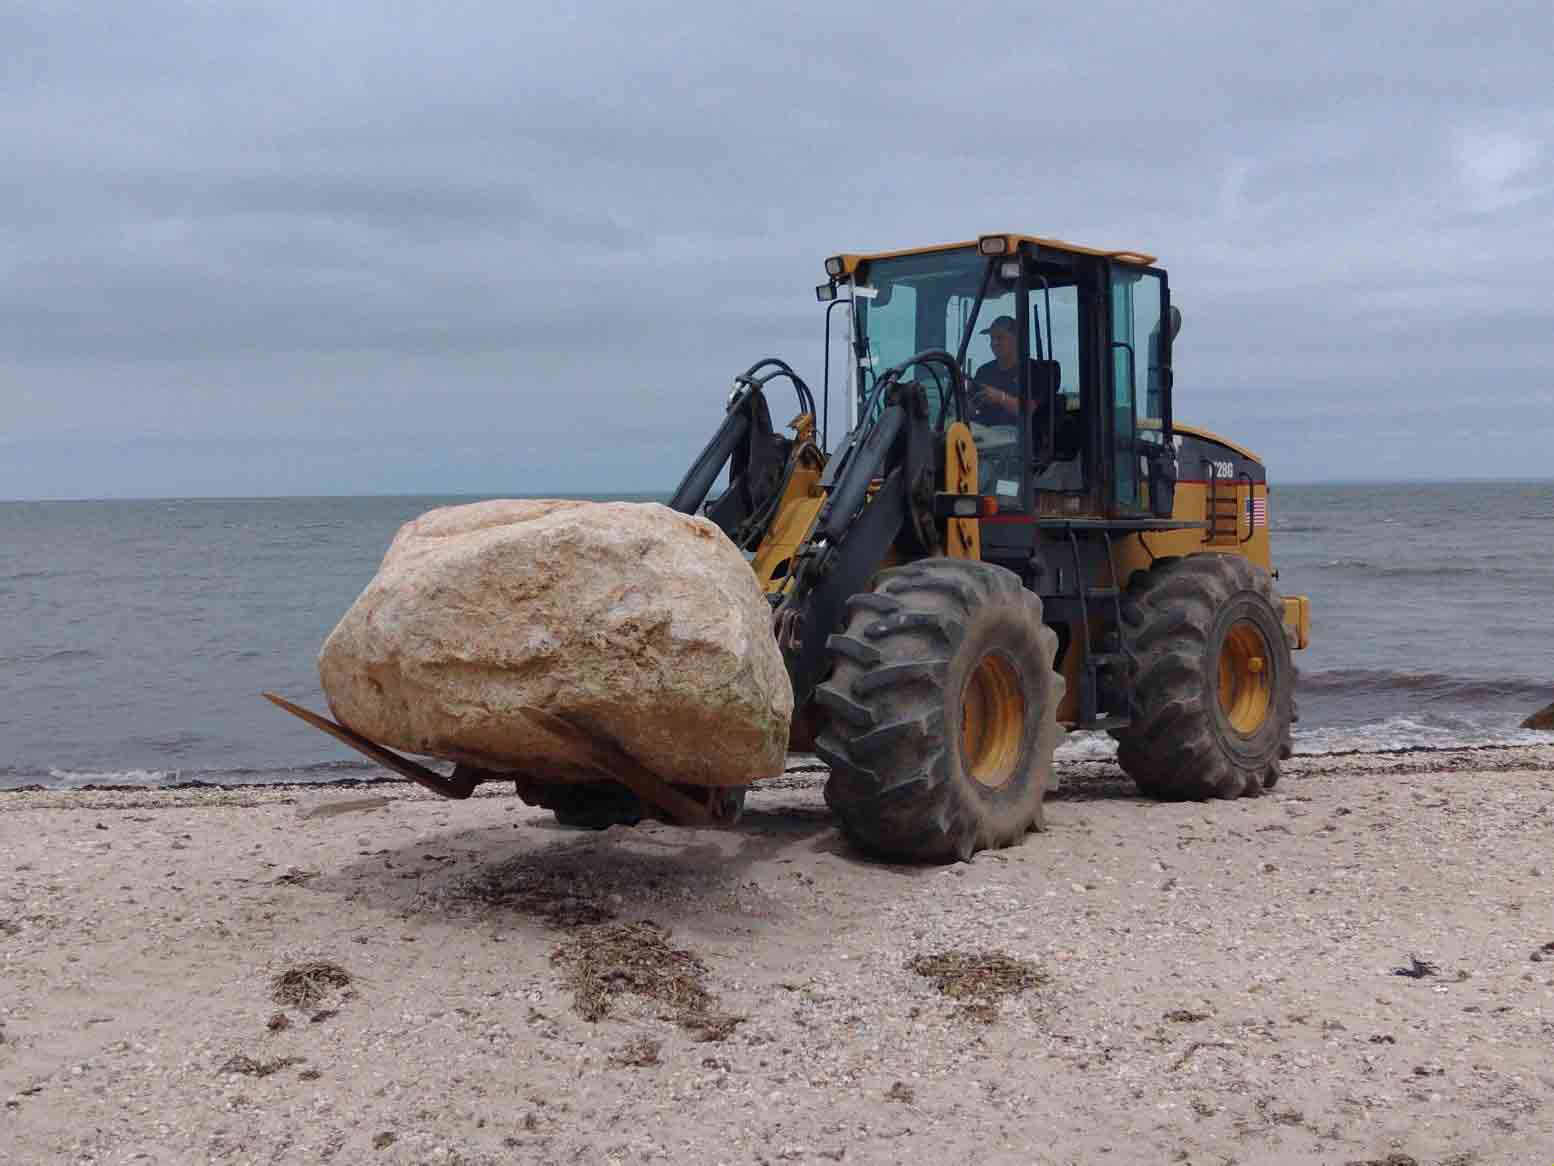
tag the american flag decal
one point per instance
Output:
(1257, 512)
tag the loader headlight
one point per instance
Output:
(993, 245)
(1009, 270)
(826, 292)
(835, 265)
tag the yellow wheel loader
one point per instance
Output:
(1014, 536)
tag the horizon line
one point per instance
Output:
(574, 495)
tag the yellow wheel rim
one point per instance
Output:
(1245, 682)
(992, 720)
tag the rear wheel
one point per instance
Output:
(1213, 685)
(940, 713)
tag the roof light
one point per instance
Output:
(826, 292)
(835, 265)
(993, 245)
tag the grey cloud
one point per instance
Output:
(483, 226)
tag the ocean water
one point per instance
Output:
(135, 637)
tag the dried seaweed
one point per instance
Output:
(636, 959)
(548, 895)
(980, 980)
(709, 1026)
(639, 1053)
(306, 984)
(248, 1067)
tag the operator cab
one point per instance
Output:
(1066, 353)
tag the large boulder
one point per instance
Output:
(490, 625)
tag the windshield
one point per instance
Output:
(922, 302)
(908, 304)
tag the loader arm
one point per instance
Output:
(877, 492)
(880, 491)
(759, 459)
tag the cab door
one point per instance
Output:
(1140, 374)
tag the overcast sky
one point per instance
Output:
(510, 248)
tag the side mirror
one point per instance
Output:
(1176, 321)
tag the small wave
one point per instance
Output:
(1298, 528)
(319, 771)
(1426, 685)
(1424, 570)
(1397, 734)
(1438, 570)
(76, 779)
(65, 778)
(61, 656)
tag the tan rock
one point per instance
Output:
(1543, 719)
(632, 623)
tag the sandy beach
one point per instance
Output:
(308, 974)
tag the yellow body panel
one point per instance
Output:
(1136, 552)
(801, 502)
(963, 538)
(851, 260)
(1297, 617)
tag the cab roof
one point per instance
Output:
(1011, 241)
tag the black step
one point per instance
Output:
(1101, 593)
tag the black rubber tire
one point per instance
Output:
(1180, 745)
(891, 711)
(593, 805)
(598, 805)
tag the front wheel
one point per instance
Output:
(940, 712)
(1213, 685)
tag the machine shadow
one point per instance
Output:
(1090, 781)
(536, 874)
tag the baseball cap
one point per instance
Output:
(1003, 323)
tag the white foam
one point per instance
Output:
(1407, 733)
(1086, 747)
(75, 779)
(1393, 733)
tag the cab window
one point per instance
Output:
(1139, 350)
